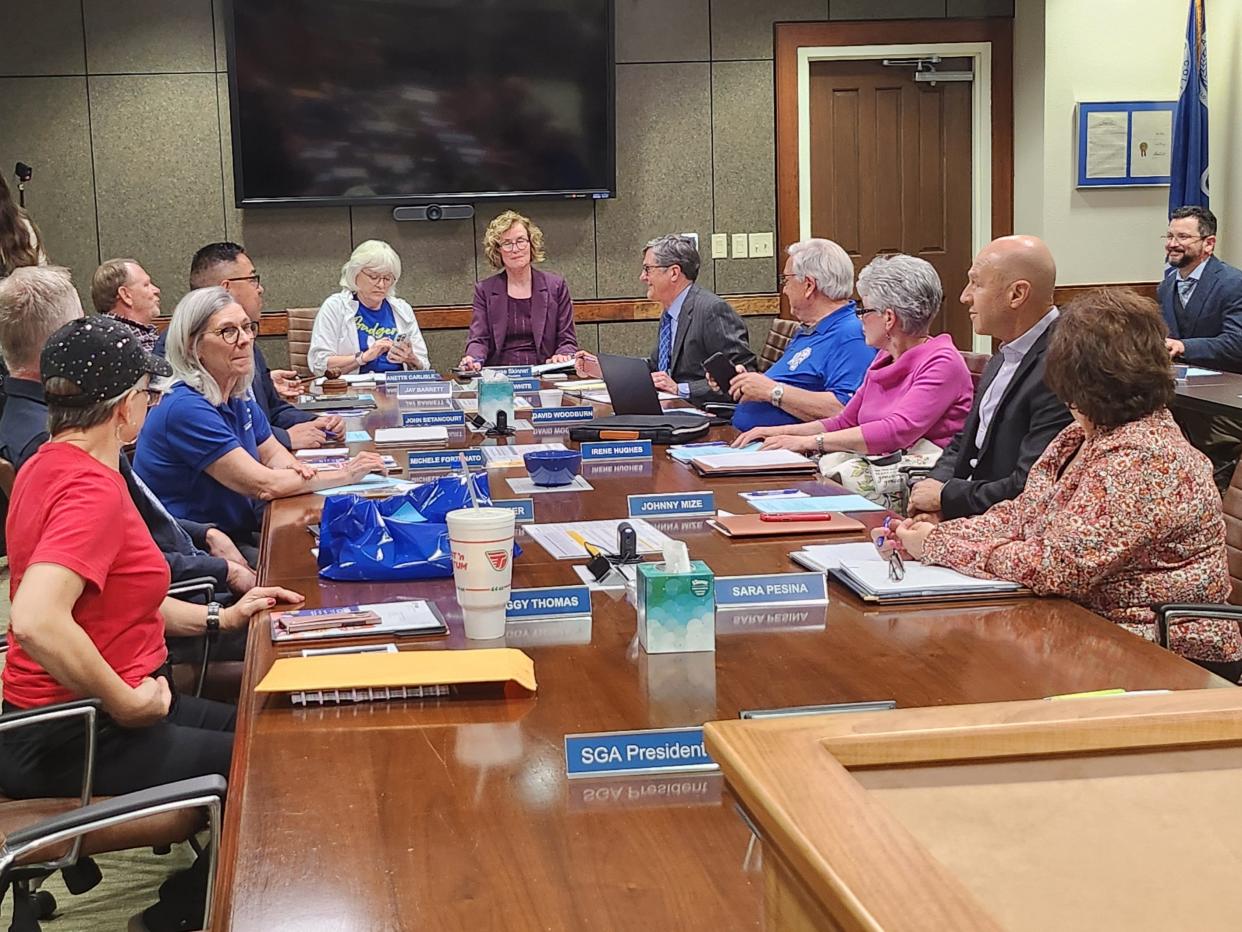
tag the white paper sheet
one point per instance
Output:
(412, 434)
(556, 539)
(511, 455)
(524, 485)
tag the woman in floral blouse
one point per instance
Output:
(1119, 513)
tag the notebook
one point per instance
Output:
(410, 616)
(758, 463)
(865, 572)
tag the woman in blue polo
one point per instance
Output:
(208, 452)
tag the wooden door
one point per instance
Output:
(891, 171)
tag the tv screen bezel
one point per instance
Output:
(399, 200)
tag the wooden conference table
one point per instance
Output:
(454, 814)
(1218, 393)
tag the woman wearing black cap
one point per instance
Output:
(90, 610)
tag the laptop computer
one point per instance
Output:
(630, 388)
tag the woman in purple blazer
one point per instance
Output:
(522, 316)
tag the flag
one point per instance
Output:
(1190, 119)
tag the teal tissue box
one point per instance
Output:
(676, 611)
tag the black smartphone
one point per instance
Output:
(722, 369)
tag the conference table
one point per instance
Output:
(1214, 393)
(457, 813)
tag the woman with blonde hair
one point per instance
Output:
(365, 327)
(522, 315)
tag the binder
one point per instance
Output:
(754, 526)
(759, 463)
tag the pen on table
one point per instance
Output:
(799, 516)
(579, 540)
(768, 493)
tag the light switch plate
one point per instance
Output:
(741, 247)
(760, 245)
(720, 245)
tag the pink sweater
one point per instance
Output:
(925, 393)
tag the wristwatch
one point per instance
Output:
(213, 619)
(778, 392)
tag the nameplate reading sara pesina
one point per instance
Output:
(523, 508)
(439, 460)
(512, 372)
(425, 388)
(448, 417)
(659, 750)
(560, 415)
(681, 503)
(412, 375)
(616, 450)
(771, 589)
(549, 602)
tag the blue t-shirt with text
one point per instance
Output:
(375, 325)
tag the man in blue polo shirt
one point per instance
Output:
(824, 363)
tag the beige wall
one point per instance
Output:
(1104, 50)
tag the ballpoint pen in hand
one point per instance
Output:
(896, 567)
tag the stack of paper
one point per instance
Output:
(511, 455)
(812, 504)
(864, 570)
(414, 616)
(760, 462)
(568, 541)
(435, 436)
(685, 452)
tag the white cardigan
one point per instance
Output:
(336, 334)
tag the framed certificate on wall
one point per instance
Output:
(1125, 143)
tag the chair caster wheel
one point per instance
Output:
(44, 905)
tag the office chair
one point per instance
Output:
(42, 836)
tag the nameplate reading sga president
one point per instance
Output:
(679, 503)
(657, 750)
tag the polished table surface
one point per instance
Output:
(457, 814)
(1218, 393)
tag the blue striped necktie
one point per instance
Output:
(664, 356)
(1185, 288)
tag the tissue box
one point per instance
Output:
(676, 611)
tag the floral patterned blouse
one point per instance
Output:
(1133, 521)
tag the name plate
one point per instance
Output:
(616, 450)
(680, 503)
(660, 750)
(526, 385)
(411, 375)
(512, 372)
(561, 415)
(771, 589)
(523, 508)
(444, 460)
(550, 602)
(425, 388)
(447, 417)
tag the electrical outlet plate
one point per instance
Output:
(741, 246)
(720, 245)
(760, 245)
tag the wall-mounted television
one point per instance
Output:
(419, 101)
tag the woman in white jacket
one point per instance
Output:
(364, 327)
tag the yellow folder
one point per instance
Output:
(404, 668)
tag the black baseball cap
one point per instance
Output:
(101, 357)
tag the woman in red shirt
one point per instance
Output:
(89, 596)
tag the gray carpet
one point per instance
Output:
(130, 878)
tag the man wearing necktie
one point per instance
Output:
(695, 324)
(1201, 300)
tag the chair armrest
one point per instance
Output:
(914, 473)
(205, 585)
(1172, 612)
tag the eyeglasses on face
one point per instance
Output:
(647, 269)
(377, 278)
(513, 245)
(1181, 239)
(153, 396)
(253, 279)
(861, 312)
(231, 334)
(782, 279)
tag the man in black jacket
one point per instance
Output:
(1015, 415)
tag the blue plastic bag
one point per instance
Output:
(397, 538)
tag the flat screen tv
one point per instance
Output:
(420, 101)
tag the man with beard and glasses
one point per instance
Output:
(1201, 300)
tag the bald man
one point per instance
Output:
(1014, 416)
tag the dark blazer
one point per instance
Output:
(551, 317)
(1213, 332)
(706, 325)
(280, 414)
(1026, 420)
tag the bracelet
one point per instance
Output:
(819, 443)
(213, 619)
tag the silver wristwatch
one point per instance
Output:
(778, 392)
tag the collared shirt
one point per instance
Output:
(1186, 286)
(23, 426)
(831, 356)
(674, 312)
(1012, 354)
(144, 333)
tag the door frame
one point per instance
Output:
(989, 44)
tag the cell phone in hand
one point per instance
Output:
(721, 368)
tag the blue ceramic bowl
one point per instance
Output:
(553, 467)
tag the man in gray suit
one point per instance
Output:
(695, 324)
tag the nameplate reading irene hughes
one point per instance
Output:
(550, 602)
(444, 459)
(659, 750)
(412, 375)
(682, 503)
(448, 418)
(560, 415)
(523, 508)
(771, 589)
(616, 450)
(425, 389)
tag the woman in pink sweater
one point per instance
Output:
(917, 388)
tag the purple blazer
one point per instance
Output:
(551, 317)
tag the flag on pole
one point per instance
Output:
(1190, 119)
